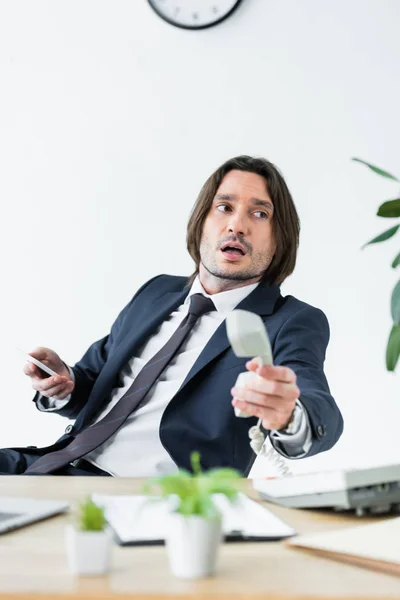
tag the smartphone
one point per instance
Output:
(41, 365)
(37, 362)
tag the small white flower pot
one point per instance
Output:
(192, 545)
(88, 552)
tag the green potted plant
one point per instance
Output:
(389, 210)
(88, 540)
(195, 525)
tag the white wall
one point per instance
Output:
(111, 120)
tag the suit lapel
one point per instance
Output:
(261, 301)
(155, 314)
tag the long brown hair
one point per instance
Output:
(285, 222)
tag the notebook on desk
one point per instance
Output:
(139, 520)
(375, 546)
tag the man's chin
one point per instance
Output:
(232, 274)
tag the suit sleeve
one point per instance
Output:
(89, 367)
(301, 345)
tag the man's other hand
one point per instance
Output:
(56, 386)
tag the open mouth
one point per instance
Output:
(232, 252)
(232, 249)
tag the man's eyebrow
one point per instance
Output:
(229, 197)
(256, 201)
(264, 203)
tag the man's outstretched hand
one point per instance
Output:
(270, 397)
(56, 386)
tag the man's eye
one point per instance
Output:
(261, 214)
(223, 207)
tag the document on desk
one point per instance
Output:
(375, 545)
(143, 520)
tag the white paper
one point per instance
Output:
(142, 519)
(375, 541)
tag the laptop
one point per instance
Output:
(18, 512)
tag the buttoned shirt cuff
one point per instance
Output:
(45, 404)
(296, 440)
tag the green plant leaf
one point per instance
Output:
(227, 486)
(195, 462)
(396, 261)
(395, 304)
(224, 473)
(393, 348)
(207, 507)
(389, 209)
(90, 516)
(193, 491)
(376, 169)
(383, 236)
(189, 506)
(179, 484)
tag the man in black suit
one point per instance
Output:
(162, 383)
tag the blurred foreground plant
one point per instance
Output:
(194, 490)
(89, 516)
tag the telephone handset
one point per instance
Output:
(249, 338)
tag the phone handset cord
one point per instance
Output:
(257, 444)
(257, 438)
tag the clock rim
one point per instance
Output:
(194, 27)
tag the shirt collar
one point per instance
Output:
(224, 302)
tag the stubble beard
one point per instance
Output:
(242, 275)
(252, 272)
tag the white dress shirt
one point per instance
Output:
(135, 450)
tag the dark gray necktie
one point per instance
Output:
(90, 438)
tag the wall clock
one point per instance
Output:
(194, 14)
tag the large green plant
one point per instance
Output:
(194, 490)
(389, 210)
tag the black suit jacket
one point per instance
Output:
(200, 416)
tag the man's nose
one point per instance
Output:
(237, 224)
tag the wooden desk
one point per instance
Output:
(33, 561)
